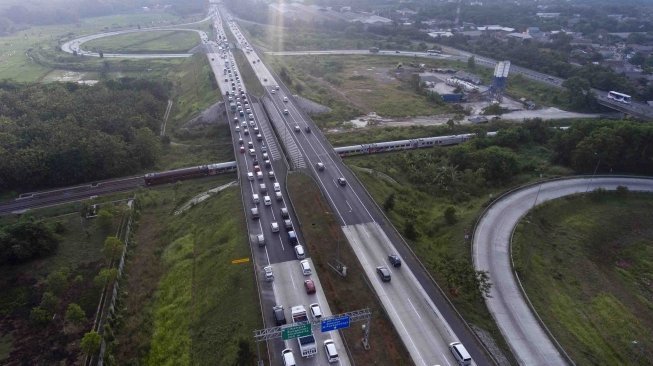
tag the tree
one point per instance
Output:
(106, 276)
(112, 248)
(49, 302)
(579, 93)
(26, 240)
(104, 220)
(75, 314)
(471, 62)
(450, 215)
(40, 316)
(90, 343)
(57, 281)
(389, 203)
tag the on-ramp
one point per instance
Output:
(527, 336)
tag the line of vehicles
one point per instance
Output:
(244, 122)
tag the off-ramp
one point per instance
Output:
(521, 327)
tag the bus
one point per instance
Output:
(619, 97)
(433, 52)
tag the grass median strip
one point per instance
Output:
(324, 239)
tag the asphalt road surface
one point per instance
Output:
(528, 340)
(412, 300)
(287, 288)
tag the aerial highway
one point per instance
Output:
(528, 339)
(261, 162)
(422, 317)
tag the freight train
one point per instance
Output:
(171, 176)
(380, 147)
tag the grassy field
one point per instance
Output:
(79, 258)
(146, 42)
(186, 303)
(587, 265)
(322, 234)
(17, 64)
(279, 38)
(194, 90)
(354, 85)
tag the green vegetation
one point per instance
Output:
(324, 239)
(586, 263)
(185, 302)
(62, 134)
(146, 42)
(308, 38)
(194, 90)
(247, 74)
(353, 85)
(26, 240)
(21, 62)
(49, 302)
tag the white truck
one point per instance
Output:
(306, 344)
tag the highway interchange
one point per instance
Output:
(412, 300)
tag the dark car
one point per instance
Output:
(284, 213)
(307, 129)
(279, 316)
(384, 273)
(309, 285)
(394, 260)
(342, 181)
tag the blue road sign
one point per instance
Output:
(335, 323)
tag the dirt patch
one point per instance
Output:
(324, 239)
(310, 106)
(213, 115)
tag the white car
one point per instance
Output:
(267, 201)
(306, 267)
(275, 227)
(259, 175)
(277, 187)
(250, 176)
(285, 99)
(316, 311)
(330, 351)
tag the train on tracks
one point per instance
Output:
(412, 144)
(171, 176)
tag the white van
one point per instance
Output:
(288, 357)
(306, 267)
(299, 252)
(330, 351)
(460, 354)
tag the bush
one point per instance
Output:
(75, 314)
(26, 240)
(450, 215)
(90, 344)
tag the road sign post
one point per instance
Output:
(328, 325)
(295, 331)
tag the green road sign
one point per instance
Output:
(295, 331)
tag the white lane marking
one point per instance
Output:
(350, 209)
(281, 243)
(413, 306)
(445, 359)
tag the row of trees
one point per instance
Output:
(61, 134)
